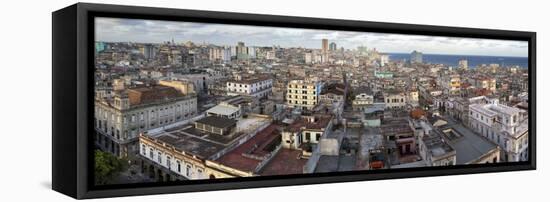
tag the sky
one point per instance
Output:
(156, 31)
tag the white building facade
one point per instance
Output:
(505, 126)
(259, 87)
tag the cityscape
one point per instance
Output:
(178, 101)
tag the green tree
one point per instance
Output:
(107, 167)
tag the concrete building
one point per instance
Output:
(416, 57)
(384, 59)
(216, 125)
(119, 120)
(364, 97)
(452, 84)
(188, 152)
(470, 148)
(149, 51)
(185, 87)
(436, 151)
(332, 93)
(505, 126)
(332, 46)
(258, 86)
(324, 45)
(225, 110)
(305, 130)
(485, 83)
(303, 94)
(463, 64)
(395, 99)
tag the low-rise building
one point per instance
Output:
(395, 99)
(225, 110)
(364, 97)
(258, 86)
(307, 129)
(189, 152)
(216, 125)
(436, 151)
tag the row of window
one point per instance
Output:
(173, 164)
(303, 97)
(302, 87)
(395, 100)
(162, 112)
(253, 85)
(303, 92)
(303, 102)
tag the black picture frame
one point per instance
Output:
(72, 99)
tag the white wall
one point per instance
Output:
(26, 79)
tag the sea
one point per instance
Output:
(473, 60)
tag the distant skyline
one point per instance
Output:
(155, 31)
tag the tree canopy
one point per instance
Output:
(107, 167)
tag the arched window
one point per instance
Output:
(159, 157)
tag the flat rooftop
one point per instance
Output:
(252, 79)
(194, 145)
(223, 110)
(336, 163)
(436, 146)
(216, 121)
(393, 126)
(204, 144)
(319, 122)
(468, 145)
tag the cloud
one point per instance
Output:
(156, 31)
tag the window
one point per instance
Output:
(168, 162)
(151, 153)
(188, 171)
(143, 148)
(199, 172)
(308, 137)
(159, 157)
(178, 163)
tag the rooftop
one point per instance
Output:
(152, 94)
(436, 145)
(203, 144)
(252, 79)
(469, 146)
(216, 121)
(247, 156)
(286, 162)
(195, 145)
(393, 126)
(315, 122)
(223, 109)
